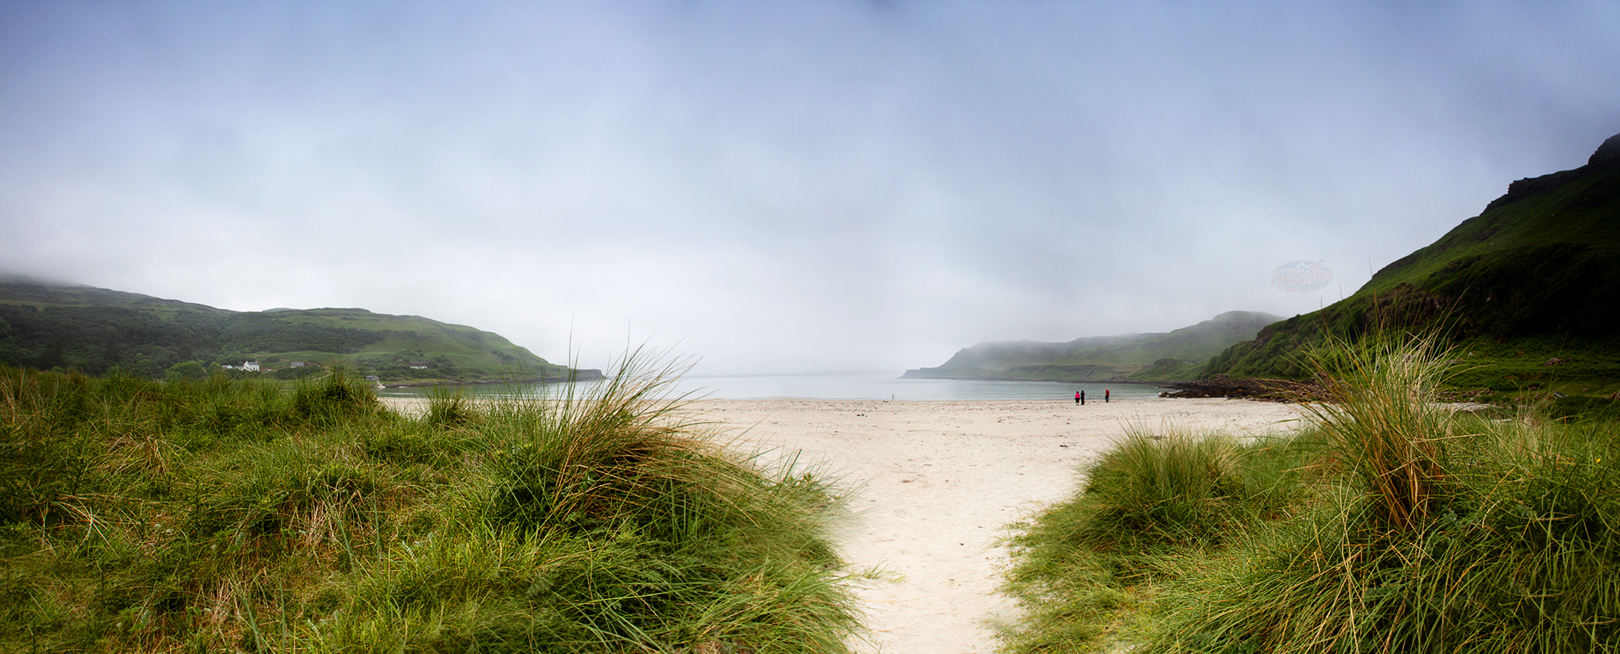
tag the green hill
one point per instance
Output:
(1528, 291)
(1133, 357)
(93, 330)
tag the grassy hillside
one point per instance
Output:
(95, 330)
(1136, 357)
(1525, 291)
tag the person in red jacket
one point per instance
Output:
(1105, 396)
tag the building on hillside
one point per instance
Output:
(250, 366)
(418, 365)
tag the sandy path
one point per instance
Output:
(934, 483)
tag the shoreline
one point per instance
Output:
(498, 382)
(1052, 380)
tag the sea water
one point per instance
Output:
(852, 386)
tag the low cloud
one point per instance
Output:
(776, 187)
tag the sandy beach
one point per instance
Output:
(932, 485)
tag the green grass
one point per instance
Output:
(238, 516)
(1530, 278)
(1392, 524)
(1156, 497)
(97, 331)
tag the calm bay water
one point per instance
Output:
(863, 386)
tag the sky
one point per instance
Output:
(776, 187)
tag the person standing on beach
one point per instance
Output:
(1106, 393)
(1082, 398)
(1077, 397)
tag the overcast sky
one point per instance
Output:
(775, 187)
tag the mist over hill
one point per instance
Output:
(1166, 356)
(1526, 291)
(53, 325)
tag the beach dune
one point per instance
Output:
(932, 486)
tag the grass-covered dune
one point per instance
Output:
(94, 330)
(1526, 290)
(229, 515)
(1392, 524)
(1173, 355)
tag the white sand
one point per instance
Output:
(933, 484)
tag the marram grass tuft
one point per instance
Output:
(1395, 525)
(223, 515)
